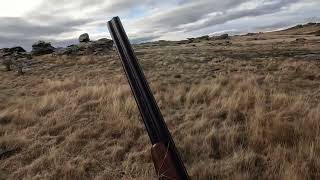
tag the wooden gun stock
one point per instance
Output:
(163, 162)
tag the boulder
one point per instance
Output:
(84, 38)
(7, 62)
(70, 50)
(203, 38)
(191, 40)
(198, 39)
(16, 59)
(223, 37)
(10, 57)
(10, 51)
(251, 34)
(17, 49)
(102, 44)
(41, 48)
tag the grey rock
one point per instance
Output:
(251, 34)
(100, 46)
(193, 40)
(70, 50)
(84, 38)
(10, 51)
(14, 57)
(16, 60)
(198, 39)
(203, 38)
(41, 48)
(223, 36)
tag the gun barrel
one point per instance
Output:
(148, 108)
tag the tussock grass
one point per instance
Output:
(238, 127)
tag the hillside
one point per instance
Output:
(306, 29)
(247, 107)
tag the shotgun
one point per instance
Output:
(165, 156)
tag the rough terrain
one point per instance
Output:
(247, 107)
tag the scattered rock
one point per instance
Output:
(72, 49)
(41, 48)
(198, 39)
(297, 26)
(7, 62)
(221, 37)
(206, 38)
(10, 51)
(311, 24)
(224, 36)
(102, 44)
(98, 47)
(251, 34)
(84, 38)
(191, 40)
(14, 57)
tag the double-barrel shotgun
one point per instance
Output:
(165, 156)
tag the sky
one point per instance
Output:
(23, 22)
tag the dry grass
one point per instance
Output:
(237, 127)
(248, 109)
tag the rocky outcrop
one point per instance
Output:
(98, 47)
(222, 37)
(102, 44)
(207, 38)
(14, 58)
(10, 51)
(41, 48)
(83, 38)
(198, 39)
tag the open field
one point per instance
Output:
(244, 108)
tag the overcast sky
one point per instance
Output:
(23, 22)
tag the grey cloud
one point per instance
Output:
(20, 26)
(232, 14)
(189, 12)
(53, 18)
(196, 15)
(18, 31)
(15, 41)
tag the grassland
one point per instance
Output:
(246, 108)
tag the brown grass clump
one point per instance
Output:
(229, 128)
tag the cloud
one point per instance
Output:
(22, 27)
(62, 21)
